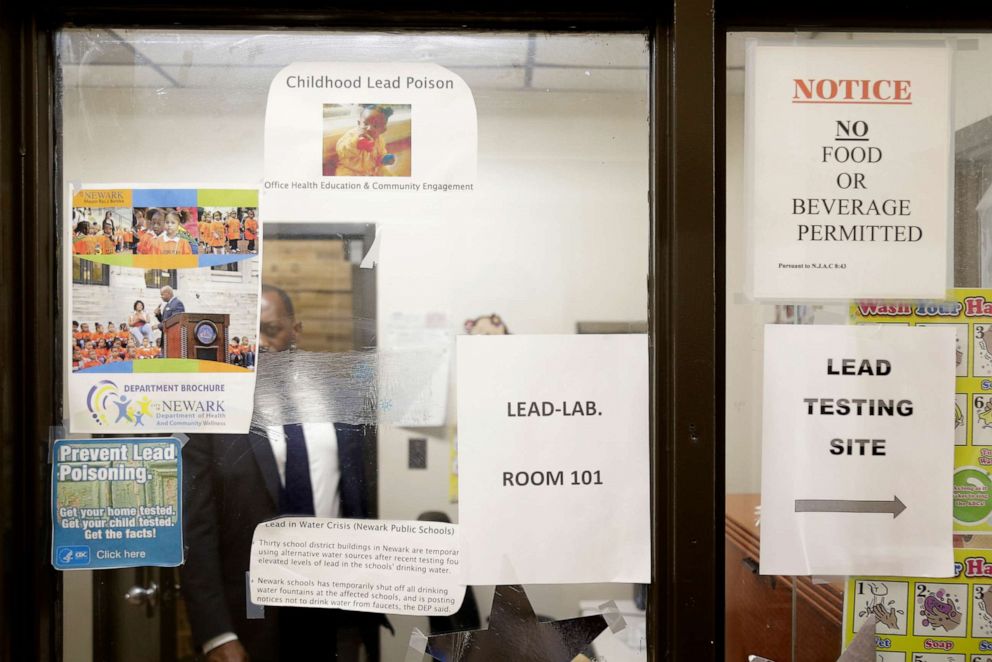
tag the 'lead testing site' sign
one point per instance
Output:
(857, 450)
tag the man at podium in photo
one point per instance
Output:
(232, 482)
(171, 305)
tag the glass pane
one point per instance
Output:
(560, 246)
(803, 618)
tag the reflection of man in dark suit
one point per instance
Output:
(233, 482)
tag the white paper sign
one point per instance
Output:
(849, 170)
(553, 459)
(375, 142)
(414, 366)
(381, 566)
(857, 450)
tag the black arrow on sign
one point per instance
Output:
(895, 506)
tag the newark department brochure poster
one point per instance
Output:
(162, 308)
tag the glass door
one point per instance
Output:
(559, 244)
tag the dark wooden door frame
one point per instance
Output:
(688, 304)
(29, 294)
(685, 602)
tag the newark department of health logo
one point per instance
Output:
(108, 405)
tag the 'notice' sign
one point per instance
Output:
(849, 170)
(857, 450)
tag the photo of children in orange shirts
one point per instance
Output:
(233, 225)
(152, 231)
(151, 221)
(99, 230)
(93, 242)
(205, 227)
(179, 294)
(90, 360)
(147, 350)
(190, 227)
(218, 230)
(227, 230)
(248, 352)
(80, 333)
(234, 351)
(251, 226)
(170, 242)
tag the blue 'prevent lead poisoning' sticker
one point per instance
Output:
(116, 503)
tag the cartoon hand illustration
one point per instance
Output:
(986, 417)
(958, 417)
(886, 618)
(987, 601)
(940, 614)
(946, 621)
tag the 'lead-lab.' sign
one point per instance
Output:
(848, 170)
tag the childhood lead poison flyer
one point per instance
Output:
(162, 320)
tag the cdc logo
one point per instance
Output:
(72, 556)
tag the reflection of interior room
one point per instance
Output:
(558, 244)
(760, 608)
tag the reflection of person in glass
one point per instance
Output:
(362, 149)
(231, 483)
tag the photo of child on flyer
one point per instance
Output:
(367, 140)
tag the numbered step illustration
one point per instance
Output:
(981, 611)
(960, 420)
(981, 418)
(982, 352)
(938, 657)
(972, 489)
(981, 658)
(885, 602)
(961, 340)
(940, 610)
(889, 656)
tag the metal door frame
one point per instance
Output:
(685, 298)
